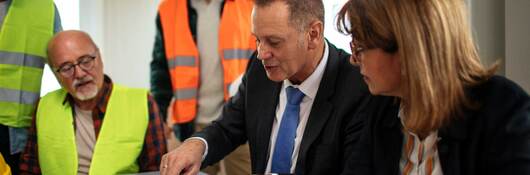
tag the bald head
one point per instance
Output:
(68, 41)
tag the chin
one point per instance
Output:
(276, 78)
(90, 94)
(374, 91)
(382, 93)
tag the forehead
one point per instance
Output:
(70, 50)
(271, 20)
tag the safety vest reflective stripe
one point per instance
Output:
(236, 44)
(230, 54)
(18, 96)
(183, 94)
(21, 59)
(181, 61)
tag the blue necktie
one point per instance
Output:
(283, 149)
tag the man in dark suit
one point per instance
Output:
(298, 104)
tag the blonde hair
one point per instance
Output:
(437, 55)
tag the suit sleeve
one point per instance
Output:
(229, 131)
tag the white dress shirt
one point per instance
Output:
(310, 88)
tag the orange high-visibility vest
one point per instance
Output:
(236, 44)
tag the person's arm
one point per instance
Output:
(29, 160)
(228, 132)
(155, 140)
(160, 77)
(223, 136)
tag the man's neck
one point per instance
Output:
(86, 104)
(312, 65)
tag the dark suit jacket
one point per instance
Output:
(493, 138)
(331, 130)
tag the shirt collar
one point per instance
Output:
(310, 86)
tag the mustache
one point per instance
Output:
(83, 80)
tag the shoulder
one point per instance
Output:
(502, 106)
(498, 90)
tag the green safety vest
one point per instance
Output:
(118, 145)
(27, 28)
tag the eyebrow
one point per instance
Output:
(77, 60)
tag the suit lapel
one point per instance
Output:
(267, 113)
(322, 108)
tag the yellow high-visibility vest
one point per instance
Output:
(118, 145)
(25, 32)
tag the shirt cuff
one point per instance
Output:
(205, 144)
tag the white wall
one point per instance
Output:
(487, 19)
(518, 42)
(91, 20)
(124, 30)
(501, 29)
(332, 7)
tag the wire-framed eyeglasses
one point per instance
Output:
(85, 62)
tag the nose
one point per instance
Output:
(78, 72)
(263, 52)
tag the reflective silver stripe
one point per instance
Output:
(185, 94)
(181, 61)
(230, 54)
(21, 59)
(18, 96)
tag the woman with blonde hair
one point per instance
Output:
(455, 116)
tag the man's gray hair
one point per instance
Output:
(301, 12)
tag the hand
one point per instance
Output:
(186, 159)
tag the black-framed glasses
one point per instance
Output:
(85, 62)
(356, 51)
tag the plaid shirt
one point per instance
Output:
(154, 143)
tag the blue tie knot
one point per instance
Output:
(294, 95)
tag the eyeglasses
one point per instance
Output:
(85, 62)
(356, 50)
